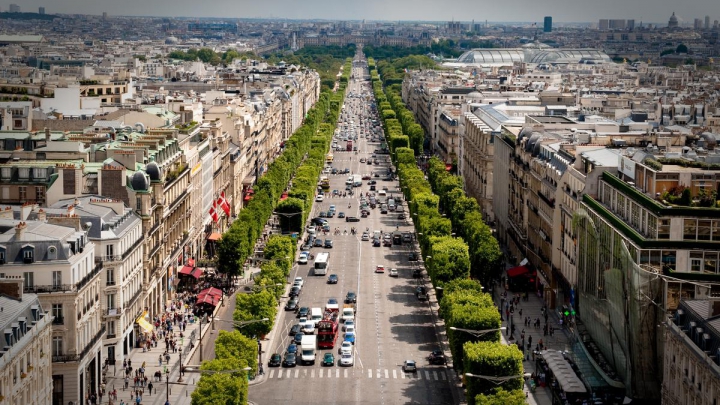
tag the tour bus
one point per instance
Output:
(322, 263)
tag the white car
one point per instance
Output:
(303, 258)
(393, 273)
(345, 348)
(346, 360)
(365, 236)
(299, 280)
(319, 198)
(308, 328)
(348, 323)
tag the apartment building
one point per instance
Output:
(55, 259)
(25, 366)
(477, 151)
(16, 116)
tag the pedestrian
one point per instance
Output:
(159, 360)
(529, 340)
(520, 312)
(127, 381)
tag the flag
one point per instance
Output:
(224, 204)
(213, 212)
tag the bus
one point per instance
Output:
(322, 261)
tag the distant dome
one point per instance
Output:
(139, 182)
(153, 170)
(474, 95)
(171, 40)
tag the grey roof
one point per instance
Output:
(106, 223)
(40, 237)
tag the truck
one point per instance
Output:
(316, 315)
(348, 312)
(357, 180)
(308, 349)
(328, 330)
(349, 146)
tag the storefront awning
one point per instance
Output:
(191, 262)
(214, 236)
(208, 299)
(197, 273)
(563, 372)
(186, 270)
(517, 271)
(147, 326)
(212, 291)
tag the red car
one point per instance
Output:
(366, 177)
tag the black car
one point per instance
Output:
(352, 219)
(290, 360)
(372, 183)
(436, 357)
(350, 297)
(413, 257)
(372, 188)
(417, 273)
(295, 329)
(376, 242)
(303, 311)
(297, 339)
(294, 292)
(292, 304)
(334, 171)
(341, 215)
(328, 243)
(387, 243)
(364, 214)
(401, 216)
(318, 221)
(275, 360)
(318, 242)
(332, 279)
(323, 214)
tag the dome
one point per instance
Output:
(171, 40)
(474, 95)
(524, 133)
(139, 182)
(530, 145)
(567, 56)
(154, 171)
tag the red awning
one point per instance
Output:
(284, 196)
(208, 299)
(214, 236)
(211, 291)
(197, 273)
(191, 262)
(186, 270)
(448, 167)
(517, 271)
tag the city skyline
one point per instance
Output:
(648, 11)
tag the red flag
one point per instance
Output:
(224, 204)
(213, 212)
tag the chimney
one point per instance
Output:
(25, 211)
(11, 288)
(7, 213)
(47, 134)
(20, 230)
(42, 215)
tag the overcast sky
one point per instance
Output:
(463, 10)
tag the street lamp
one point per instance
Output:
(494, 378)
(477, 333)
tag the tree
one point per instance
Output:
(450, 259)
(291, 218)
(251, 307)
(501, 397)
(492, 359)
(231, 250)
(221, 388)
(235, 346)
(682, 48)
(470, 317)
(281, 250)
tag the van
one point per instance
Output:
(382, 193)
(316, 315)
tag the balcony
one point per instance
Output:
(101, 259)
(48, 289)
(132, 300)
(113, 311)
(90, 276)
(58, 320)
(77, 357)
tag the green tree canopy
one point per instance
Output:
(502, 397)
(251, 307)
(492, 359)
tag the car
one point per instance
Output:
(352, 219)
(299, 281)
(303, 258)
(297, 339)
(372, 183)
(409, 366)
(308, 328)
(348, 187)
(328, 243)
(380, 268)
(366, 177)
(334, 170)
(318, 221)
(413, 257)
(332, 208)
(350, 297)
(346, 360)
(290, 360)
(387, 242)
(326, 227)
(374, 175)
(393, 273)
(364, 214)
(328, 360)
(294, 292)
(292, 348)
(330, 214)
(318, 242)
(401, 216)
(323, 214)
(437, 357)
(362, 160)
(292, 304)
(345, 347)
(295, 329)
(376, 242)
(372, 188)
(347, 324)
(319, 198)
(349, 335)
(341, 214)
(307, 246)
(383, 209)
(421, 293)
(365, 237)
(275, 360)
(417, 273)
(332, 279)
(303, 312)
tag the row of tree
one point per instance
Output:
(456, 245)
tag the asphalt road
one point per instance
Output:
(392, 325)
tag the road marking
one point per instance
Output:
(394, 373)
(435, 375)
(271, 373)
(345, 373)
(312, 373)
(402, 375)
(427, 375)
(369, 373)
(337, 373)
(321, 373)
(386, 373)
(297, 372)
(378, 373)
(280, 372)
(443, 376)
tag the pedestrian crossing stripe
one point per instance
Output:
(429, 375)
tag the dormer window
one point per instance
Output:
(52, 253)
(3, 258)
(28, 254)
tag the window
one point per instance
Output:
(111, 301)
(690, 229)
(29, 278)
(109, 249)
(28, 255)
(57, 278)
(696, 261)
(57, 346)
(40, 193)
(138, 203)
(22, 190)
(2, 256)
(110, 276)
(24, 173)
(52, 253)
(57, 312)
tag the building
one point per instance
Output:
(25, 366)
(477, 146)
(55, 259)
(673, 21)
(41, 10)
(14, 8)
(691, 372)
(547, 24)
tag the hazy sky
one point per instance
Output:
(463, 10)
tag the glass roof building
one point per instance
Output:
(531, 53)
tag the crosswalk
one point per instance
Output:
(340, 373)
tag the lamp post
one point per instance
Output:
(478, 333)
(494, 378)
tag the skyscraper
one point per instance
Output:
(14, 8)
(707, 22)
(41, 10)
(548, 24)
